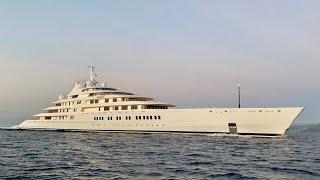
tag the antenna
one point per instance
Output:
(239, 96)
(93, 75)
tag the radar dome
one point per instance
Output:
(104, 84)
(62, 97)
(80, 85)
(89, 84)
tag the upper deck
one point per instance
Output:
(92, 96)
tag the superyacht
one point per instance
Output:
(94, 106)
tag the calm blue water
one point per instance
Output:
(74, 155)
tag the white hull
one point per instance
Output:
(253, 121)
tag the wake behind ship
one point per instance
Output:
(94, 106)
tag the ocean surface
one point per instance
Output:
(76, 155)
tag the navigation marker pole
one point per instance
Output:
(239, 95)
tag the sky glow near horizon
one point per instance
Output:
(188, 53)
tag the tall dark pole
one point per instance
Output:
(239, 96)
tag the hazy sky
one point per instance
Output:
(189, 53)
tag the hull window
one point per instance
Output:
(233, 128)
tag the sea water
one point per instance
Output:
(78, 155)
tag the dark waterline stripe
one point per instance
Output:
(141, 131)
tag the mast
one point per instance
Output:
(93, 75)
(239, 96)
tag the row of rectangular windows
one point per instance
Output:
(129, 118)
(63, 110)
(148, 117)
(91, 102)
(107, 108)
(96, 101)
(68, 103)
(107, 100)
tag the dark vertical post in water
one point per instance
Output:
(239, 96)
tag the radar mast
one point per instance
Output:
(93, 75)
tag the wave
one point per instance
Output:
(10, 128)
(230, 176)
(315, 128)
(294, 170)
(230, 135)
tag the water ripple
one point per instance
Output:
(77, 155)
